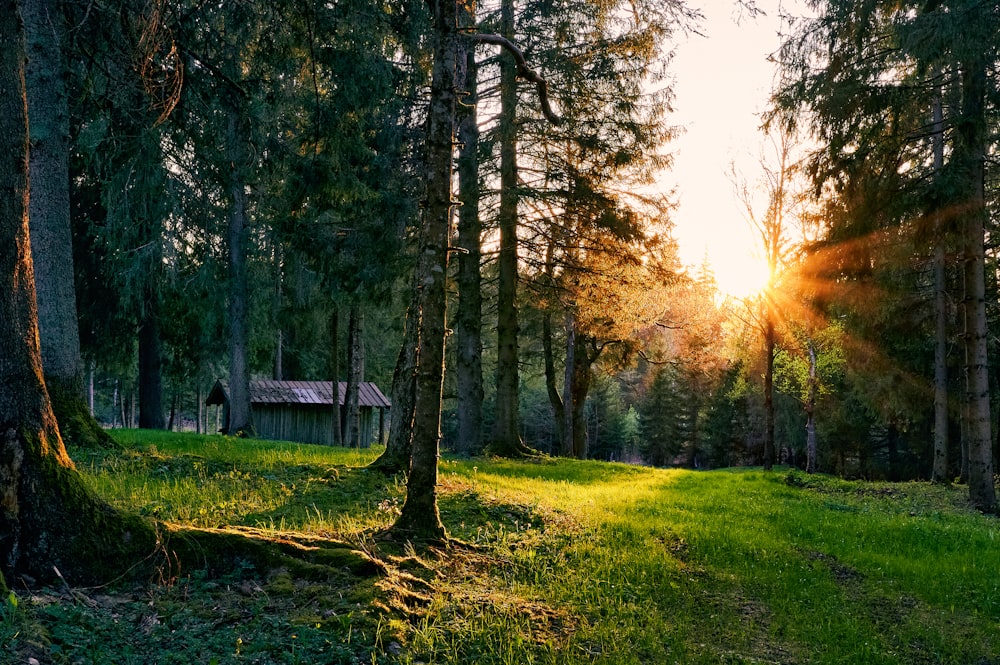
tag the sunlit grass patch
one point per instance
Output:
(561, 561)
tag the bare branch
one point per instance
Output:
(523, 70)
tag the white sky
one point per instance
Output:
(722, 82)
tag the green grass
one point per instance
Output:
(564, 562)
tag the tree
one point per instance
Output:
(419, 516)
(47, 516)
(871, 103)
(506, 438)
(773, 234)
(468, 326)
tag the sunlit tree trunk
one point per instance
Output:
(48, 517)
(420, 517)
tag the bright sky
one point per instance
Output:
(722, 83)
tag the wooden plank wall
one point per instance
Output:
(306, 423)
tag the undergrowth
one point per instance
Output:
(551, 561)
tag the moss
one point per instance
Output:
(77, 426)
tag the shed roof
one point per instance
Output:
(302, 392)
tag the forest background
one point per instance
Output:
(245, 198)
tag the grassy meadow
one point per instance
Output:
(554, 561)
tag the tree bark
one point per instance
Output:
(338, 431)
(48, 518)
(550, 378)
(970, 153)
(420, 517)
(579, 359)
(469, 361)
(811, 412)
(939, 473)
(569, 391)
(151, 367)
(396, 457)
(355, 374)
(506, 437)
(51, 235)
(769, 344)
(240, 422)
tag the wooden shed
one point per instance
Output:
(302, 411)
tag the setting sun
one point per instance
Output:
(742, 278)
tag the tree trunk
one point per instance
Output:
(48, 518)
(151, 367)
(577, 390)
(970, 152)
(506, 438)
(939, 473)
(469, 369)
(769, 344)
(811, 413)
(51, 236)
(355, 375)
(569, 372)
(550, 379)
(420, 517)
(51, 233)
(338, 430)
(240, 422)
(396, 457)
(278, 373)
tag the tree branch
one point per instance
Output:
(523, 70)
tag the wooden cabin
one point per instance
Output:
(302, 410)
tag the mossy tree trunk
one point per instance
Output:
(51, 235)
(48, 518)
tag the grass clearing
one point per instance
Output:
(565, 562)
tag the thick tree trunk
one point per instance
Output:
(420, 517)
(970, 151)
(48, 518)
(355, 375)
(469, 369)
(51, 237)
(51, 234)
(240, 422)
(151, 367)
(506, 437)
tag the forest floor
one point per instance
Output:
(553, 561)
